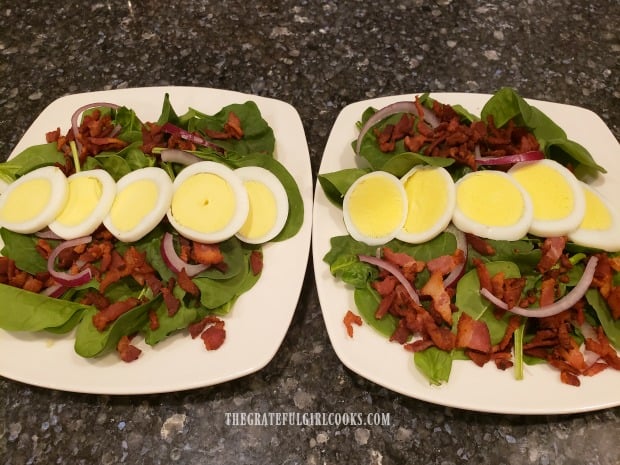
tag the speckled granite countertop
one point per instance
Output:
(319, 56)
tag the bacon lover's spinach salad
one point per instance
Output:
(119, 227)
(476, 238)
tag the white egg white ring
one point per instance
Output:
(58, 197)
(97, 215)
(350, 225)
(512, 232)
(242, 206)
(561, 226)
(604, 239)
(271, 181)
(444, 220)
(152, 219)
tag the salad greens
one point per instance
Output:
(219, 287)
(511, 259)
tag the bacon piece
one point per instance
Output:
(349, 320)
(153, 320)
(256, 262)
(547, 292)
(96, 299)
(384, 305)
(513, 287)
(402, 333)
(444, 264)
(483, 275)
(435, 288)
(569, 378)
(214, 336)
(441, 336)
(398, 258)
(513, 324)
(479, 358)
(126, 350)
(233, 126)
(105, 316)
(386, 285)
(552, 249)
(419, 345)
(172, 303)
(206, 254)
(473, 334)
(613, 300)
(187, 284)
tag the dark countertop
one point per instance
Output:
(318, 56)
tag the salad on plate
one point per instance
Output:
(477, 238)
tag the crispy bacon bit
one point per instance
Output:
(153, 320)
(552, 249)
(105, 316)
(441, 299)
(256, 262)
(211, 330)
(126, 350)
(206, 254)
(483, 275)
(96, 299)
(480, 245)
(569, 378)
(187, 284)
(349, 320)
(472, 334)
(232, 129)
(419, 345)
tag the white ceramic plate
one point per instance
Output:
(256, 325)
(484, 389)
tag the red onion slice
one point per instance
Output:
(174, 262)
(179, 156)
(62, 277)
(392, 109)
(190, 136)
(387, 266)
(559, 306)
(461, 244)
(55, 290)
(532, 155)
(75, 127)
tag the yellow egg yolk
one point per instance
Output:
(551, 194)
(133, 204)
(263, 210)
(597, 215)
(205, 202)
(84, 195)
(428, 199)
(375, 207)
(490, 199)
(27, 200)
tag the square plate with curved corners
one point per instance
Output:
(260, 318)
(484, 389)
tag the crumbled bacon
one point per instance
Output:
(232, 129)
(349, 320)
(187, 284)
(552, 249)
(472, 334)
(211, 330)
(126, 350)
(107, 315)
(256, 262)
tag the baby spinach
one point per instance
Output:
(367, 300)
(31, 158)
(610, 326)
(435, 364)
(335, 185)
(22, 249)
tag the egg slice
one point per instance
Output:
(142, 200)
(431, 199)
(33, 201)
(91, 194)
(268, 209)
(491, 204)
(209, 202)
(557, 198)
(375, 208)
(600, 227)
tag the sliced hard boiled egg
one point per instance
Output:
(33, 201)
(431, 199)
(91, 194)
(268, 209)
(600, 227)
(491, 204)
(557, 198)
(141, 201)
(209, 202)
(375, 208)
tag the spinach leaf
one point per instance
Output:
(22, 249)
(336, 184)
(28, 311)
(90, 342)
(399, 164)
(31, 158)
(367, 300)
(610, 326)
(169, 324)
(435, 364)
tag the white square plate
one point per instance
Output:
(484, 389)
(256, 325)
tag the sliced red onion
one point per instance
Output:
(179, 156)
(174, 262)
(461, 244)
(62, 277)
(55, 290)
(75, 127)
(47, 233)
(190, 136)
(392, 109)
(589, 357)
(559, 306)
(387, 266)
(532, 155)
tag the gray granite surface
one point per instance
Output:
(319, 56)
